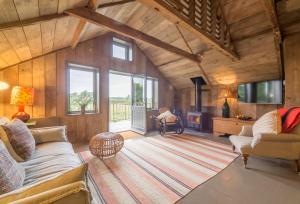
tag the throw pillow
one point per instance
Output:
(49, 134)
(20, 138)
(170, 117)
(12, 174)
(68, 177)
(268, 123)
(5, 140)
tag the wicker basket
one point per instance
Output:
(106, 144)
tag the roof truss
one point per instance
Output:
(93, 17)
(92, 4)
(270, 9)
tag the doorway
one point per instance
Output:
(127, 102)
(119, 102)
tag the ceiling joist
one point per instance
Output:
(209, 27)
(122, 29)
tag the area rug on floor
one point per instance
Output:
(156, 169)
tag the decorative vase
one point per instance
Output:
(82, 109)
(225, 110)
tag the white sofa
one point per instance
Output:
(282, 145)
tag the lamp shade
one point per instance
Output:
(22, 96)
(226, 93)
(3, 85)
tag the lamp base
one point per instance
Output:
(21, 116)
(225, 110)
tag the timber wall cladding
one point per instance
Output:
(212, 101)
(292, 70)
(46, 74)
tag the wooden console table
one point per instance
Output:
(232, 126)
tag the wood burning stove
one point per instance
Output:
(198, 119)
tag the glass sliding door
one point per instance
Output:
(139, 101)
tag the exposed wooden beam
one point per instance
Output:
(198, 63)
(114, 3)
(169, 62)
(270, 9)
(31, 21)
(173, 15)
(77, 33)
(92, 5)
(117, 27)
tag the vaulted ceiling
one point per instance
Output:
(250, 27)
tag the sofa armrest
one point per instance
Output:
(49, 134)
(75, 193)
(246, 131)
(281, 137)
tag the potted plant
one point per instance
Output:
(83, 99)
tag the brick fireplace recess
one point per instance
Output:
(197, 118)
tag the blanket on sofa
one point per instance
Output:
(290, 118)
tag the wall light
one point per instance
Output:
(3, 85)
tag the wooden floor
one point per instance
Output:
(265, 181)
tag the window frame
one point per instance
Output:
(153, 93)
(96, 87)
(126, 45)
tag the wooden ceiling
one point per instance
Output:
(250, 28)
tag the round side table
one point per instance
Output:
(106, 144)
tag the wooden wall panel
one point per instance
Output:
(38, 83)
(213, 102)
(292, 70)
(11, 76)
(50, 85)
(47, 75)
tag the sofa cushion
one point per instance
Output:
(268, 123)
(12, 174)
(296, 130)
(49, 160)
(65, 178)
(49, 134)
(20, 139)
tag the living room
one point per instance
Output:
(107, 101)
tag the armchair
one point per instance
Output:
(282, 145)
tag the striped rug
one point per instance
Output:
(156, 169)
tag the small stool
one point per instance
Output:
(106, 144)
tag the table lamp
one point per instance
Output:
(227, 93)
(22, 96)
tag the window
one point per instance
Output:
(121, 49)
(83, 89)
(152, 93)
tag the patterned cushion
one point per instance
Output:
(20, 138)
(12, 174)
(268, 123)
